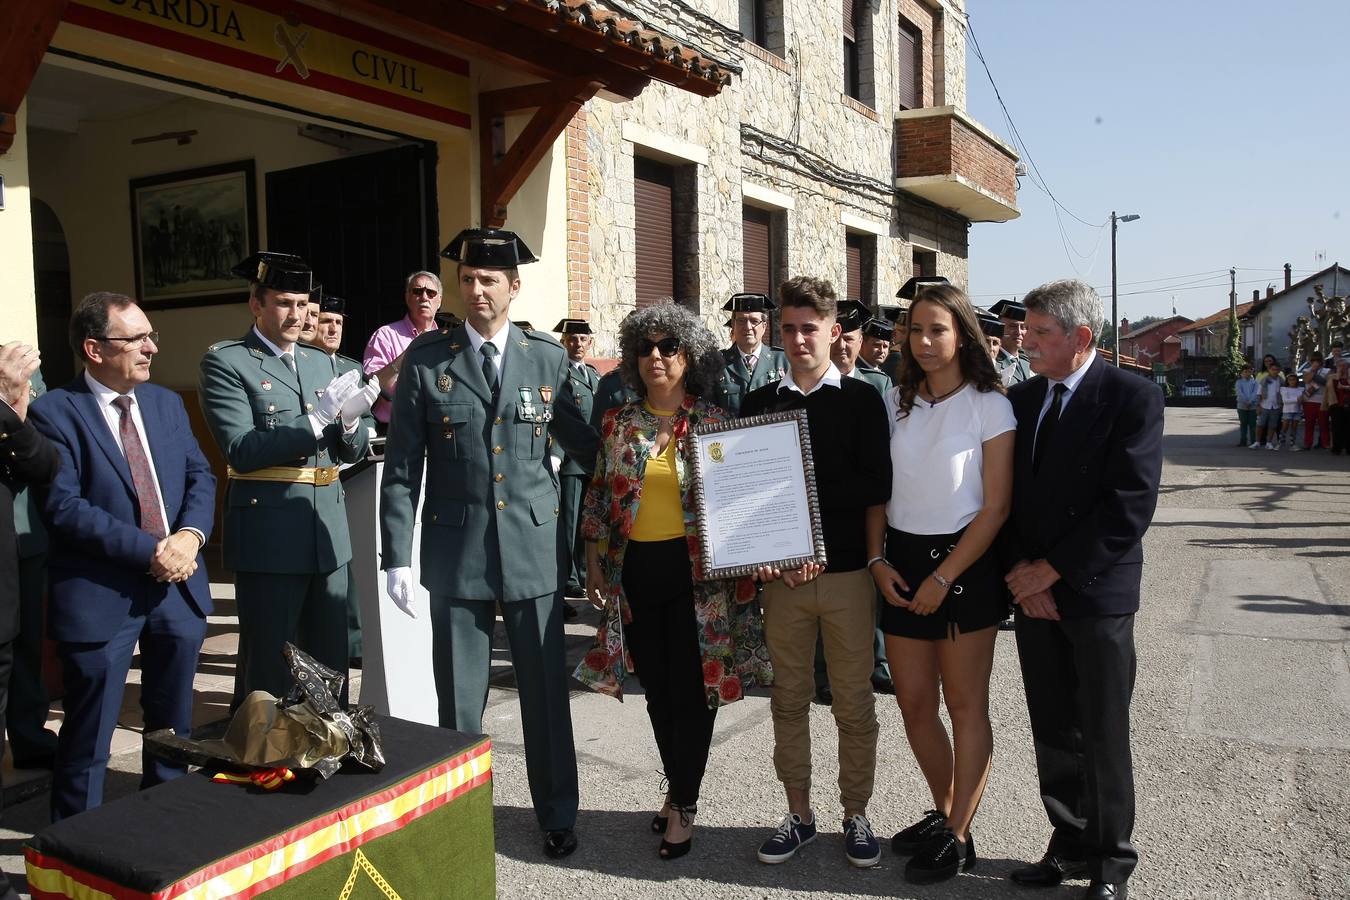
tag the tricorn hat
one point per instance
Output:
(283, 272)
(330, 304)
(918, 283)
(990, 324)
(573, 326)
(1009, 309)
(749, 303)
(878, 328)
(488, 248)
(851, 314)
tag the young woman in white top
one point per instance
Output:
(952, 433)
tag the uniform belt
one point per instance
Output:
(315, 475)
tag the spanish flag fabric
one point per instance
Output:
(421, 827)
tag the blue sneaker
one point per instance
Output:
(860, 844)
(792, 834)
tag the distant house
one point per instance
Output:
(1149, 344)
(1274, 315)
(1208, 337)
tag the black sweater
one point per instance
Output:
(850, 445)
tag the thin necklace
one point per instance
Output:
(936, 400)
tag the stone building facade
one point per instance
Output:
(833, 159)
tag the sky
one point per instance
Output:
(1224, 125)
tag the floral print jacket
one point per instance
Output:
(731, 629)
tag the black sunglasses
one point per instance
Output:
(430, 292)
(667, 347)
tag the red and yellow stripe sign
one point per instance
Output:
(256, 869)
(293, 43)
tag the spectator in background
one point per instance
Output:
(1291, 401)
(1337, 402)
(1248, 399)
(384, 350)
(1268, 414)
(1314, 413)
(1266, 362)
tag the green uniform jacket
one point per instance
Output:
(610, 393)
(489, 517)
(257, 412)
(890, 366)
(1013, 369)
(341, 366)
(872, 375)
(28, 527)
(737, 381)
(581, 387)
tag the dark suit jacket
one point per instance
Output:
(26, 458)
(1088, 508)
(99, 556)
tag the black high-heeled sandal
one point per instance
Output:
(669, 851)
(659, 821)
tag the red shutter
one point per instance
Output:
(853, 250)
(849, 33)
(758, 278)
(909, 76)
(653, 189)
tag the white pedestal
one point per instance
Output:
(396, 674)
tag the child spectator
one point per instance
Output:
(1268, 416)
(1291, 399)
(1248, 399)
(1314, 413)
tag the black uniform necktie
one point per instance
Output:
(1045, 432)
(489, 351)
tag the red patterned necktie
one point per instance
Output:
(142, 478)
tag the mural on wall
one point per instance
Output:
(189, 228)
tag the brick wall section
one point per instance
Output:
(921, 17)
(943, 145)
(578, 217)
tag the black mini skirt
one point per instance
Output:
(976, 600)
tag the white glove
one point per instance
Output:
(334, 395)
(399, 584)
(358, 404)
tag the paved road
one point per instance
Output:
(1241, 725)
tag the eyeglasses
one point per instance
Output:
(151, 336)
(667, 347)
(430, 292)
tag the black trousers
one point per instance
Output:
(1079, 677)
(663, 640)
(1339, 417)
(6, 663)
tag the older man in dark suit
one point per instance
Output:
(1086, 472)
(128, 515)
(26, 458)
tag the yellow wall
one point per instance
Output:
(84, 179)
(18, 318)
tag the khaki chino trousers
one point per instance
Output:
(840, 608)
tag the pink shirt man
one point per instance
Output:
(385, 345)
(421, 295)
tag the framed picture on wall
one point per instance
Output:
(188, 228)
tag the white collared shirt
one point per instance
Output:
(1070, 382)
(113, 416)
(273, 347)
(314, 424)
(831, 378)
(476, 341)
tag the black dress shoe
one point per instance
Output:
(1050, 871)
(940, 859)
(40, 761)
(824, 696)
(1107, 890)
(569, 612)
(560, 843)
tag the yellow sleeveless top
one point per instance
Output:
(660, 515)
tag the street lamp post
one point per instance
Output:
(1115, 312)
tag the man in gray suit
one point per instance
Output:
(481, 404)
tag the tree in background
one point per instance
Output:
(1234, 359)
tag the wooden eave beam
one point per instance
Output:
(554, 104)
(26, 30)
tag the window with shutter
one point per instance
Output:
(853, 250)
(909, 72)
(755, 227)
(653, 200)
(850, 14)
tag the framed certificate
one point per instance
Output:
(755, 485)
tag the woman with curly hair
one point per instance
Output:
(694, 645)
(952, 434)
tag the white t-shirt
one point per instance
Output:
(1292, 398)
(937, 459)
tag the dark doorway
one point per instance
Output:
(364, 223)
(51, 273)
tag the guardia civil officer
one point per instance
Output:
(751, 363)
(480, 405)
(877, 334)
(329, 321)
(846, 351)
(1012, 362)
(580, 384)
(284, 422)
